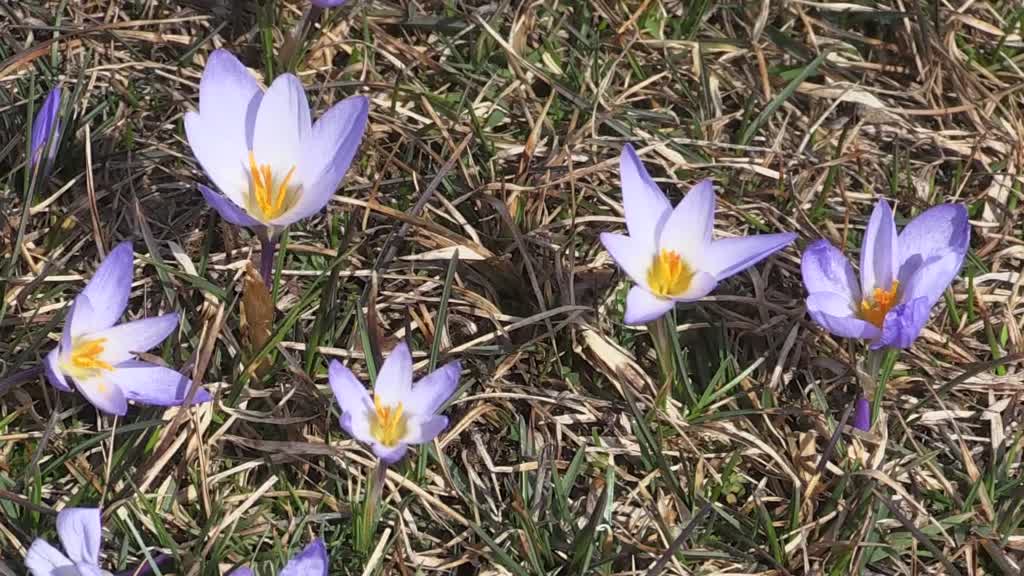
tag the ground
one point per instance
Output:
(495, 131)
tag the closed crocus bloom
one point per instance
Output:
(46, 130)
(271, 165)
(96, 354)
(399, 414)
(901, 276)
(80, 535)
(312, 561)
(670, 253)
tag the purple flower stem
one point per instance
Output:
(20, 377)
(146, 568)
(267, 251)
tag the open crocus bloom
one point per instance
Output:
(98, 356)
(261, 150)
(399, 414)
(80, 535)
(46, 130)
(901, 277)
(669, 253)
(312, 561)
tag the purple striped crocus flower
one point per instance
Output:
(271, 165)
(80, 535)
(97, 354)
(46, 131)
(399, 414)
(901, 276)
(312, 561)
(669, 252)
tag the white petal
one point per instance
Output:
(225, 162)
(138, 336)
(102, 393)
(878, 252)
(394, 381)
(109, 288)
(352, 397)
(700, 286)
(282, 125)
(631, 255)
(642, 306)
(646, 207)
(42, 559)
(688, 229)
(80, 532)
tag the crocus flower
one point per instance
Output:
(399, 414)
(862, 415)
(669, 253)
(271, 165)
(312, 561)
(901, 277)
(96, 353)
(80, 535)
(46, 128)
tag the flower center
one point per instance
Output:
(875, 309)
(268, 200)
(669, 275)
(84, 361)
(388, 424)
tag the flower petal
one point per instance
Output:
(138, 336)
(825, 269)
(903, 324)
(427, 430)
(394, 381)
(42, 559)
(77, 322)
(646, 207)
(146, 383)
(312, 561)
(80, 534)
(326, 156)
(357, 425)
(700, 286)
(241, 571)
(103, 394)
(108, 290)
(282, 125)
(862, 415)
(642, 306)
(46, 123)
(733, 255)
(51, 365)
(328, 3)
(936, 240)
(688, 229)
(390, 455)
(348, 390)
(227, 209)
(632, 255)
(835, 313)
(434, 389)
(879, 252)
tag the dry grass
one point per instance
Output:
(495, 129)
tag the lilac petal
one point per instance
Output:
(427, 430)
(390, 455)
(51, 365)
(138, 336)
(937, 239)
(835, 313)
(312, 561)
(701, 284)
(434, 389)
(77, 322)
(733, 255)
(903, 324)
(326, 156)
(642, 306)
(878, 252)
(357, 424)
(104, 395)
(630, 254)
(46, 124)
(108, 290)
(394, 381)
(227, 209)
(646, 208)
(282, 125)
(80, 534)
(688, 228)
(146, 383)
(90, 570)
(328, 3)
(42, 559)
(241, 571)
(348, 390)
(825, 269)
(862, 415)
(931, 279)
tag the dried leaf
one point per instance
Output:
(257, 316)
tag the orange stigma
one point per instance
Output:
(388, 424)
(85, 359)
(270, 202)
(875, 309)
(669, 275)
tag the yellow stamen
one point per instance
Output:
(669, 275)
(271, 203)
(875, 309)
(388, 424)
(84, 361)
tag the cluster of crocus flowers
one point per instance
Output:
(311, 561)
(270, 164)
(80, 534)
(96, 353)
(46, 132)
(399, 414)
(669, 253)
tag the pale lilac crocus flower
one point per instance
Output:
(399, 414)
(670, 253)
(312, 561)
(901, 276)
(97, 354)
(46, 131)
(328, 3)
(270, 163)
(80, 535)
(862, 414)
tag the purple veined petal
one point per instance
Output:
(630, 254)
(389, 455)
(282, 125)
(42, 559)
(154, 385)
(227, 209)
(328, 3)
(138, 336)
(427, 430)
(642, 306)
(45, 125)
(348, 391)
(688, 228)
(646, 207)
(903, 324)
(312, 561)
(108, 289)
(879, 251)
(103, 394)
(941, 233)
(434, 389)
(394, 381)
(241, 571)
(730, 256)
(862, 415)
(51, 366)
(80, 533)
(326, 156)
(836, 314)
(825, 269)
